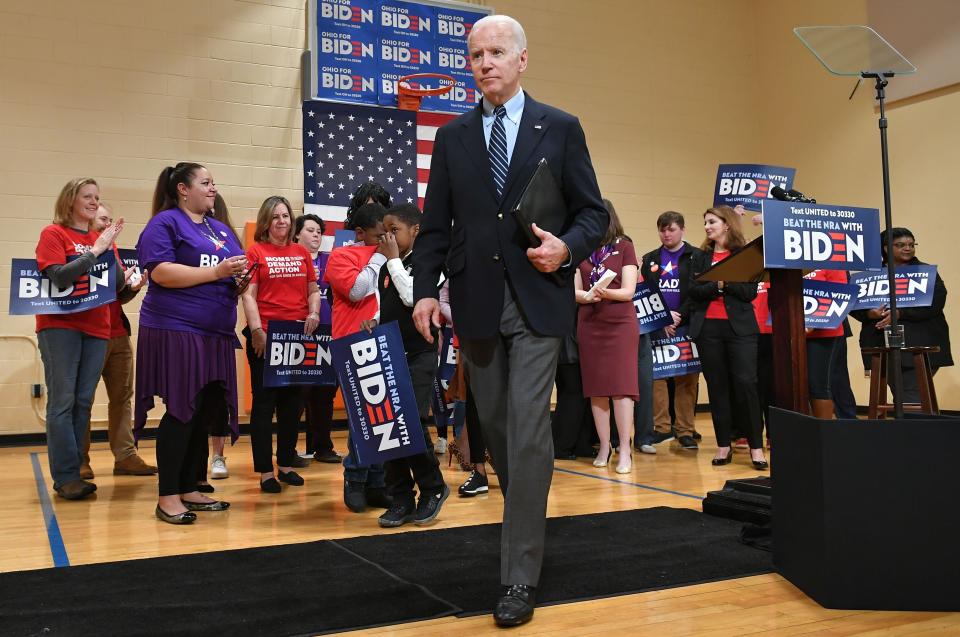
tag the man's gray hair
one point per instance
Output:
(519, 37)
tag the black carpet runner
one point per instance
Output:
(329, 586)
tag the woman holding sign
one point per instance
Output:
(723, 325)
(608, 337)
(185, 349)
(283, 288)
(73, 346)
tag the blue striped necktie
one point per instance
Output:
(498, 150)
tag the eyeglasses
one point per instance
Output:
(904, 246)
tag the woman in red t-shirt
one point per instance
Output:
(282, 288)
(73, 346)
(723, 325)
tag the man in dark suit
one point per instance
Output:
(509, 311)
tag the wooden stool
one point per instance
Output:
(879, 406)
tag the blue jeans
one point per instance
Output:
(372, 475)
(72, 362)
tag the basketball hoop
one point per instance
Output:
(409, 95)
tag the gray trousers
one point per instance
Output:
(511, 376)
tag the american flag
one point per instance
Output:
(345, 145)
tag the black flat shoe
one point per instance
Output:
(206, 506)
(290, 477)
(515, 606)
(187, 517)
(270, 486)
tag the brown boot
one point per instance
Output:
(86, 472)
(75, 489)
(133, 466)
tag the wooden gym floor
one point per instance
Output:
(40, 531)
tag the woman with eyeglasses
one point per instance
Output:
(186, 345)
(922, 326)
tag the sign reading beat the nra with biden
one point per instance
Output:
(914, 285)
(817, 236)
(378, 394)
(294, 358)
(675, 355)
(31, 292)
(826, 304)
(652, 310)
(748, 185)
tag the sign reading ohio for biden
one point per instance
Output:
(749, 184)
(33, 293)
(652, 311)
(675, 355)
(817, 236)
(913, 285)
(378, 395)
(826, 304)
(295, 358)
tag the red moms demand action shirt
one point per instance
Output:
(57, 243)
(282, 276)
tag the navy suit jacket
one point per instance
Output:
(477, 240)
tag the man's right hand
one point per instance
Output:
(426, 314)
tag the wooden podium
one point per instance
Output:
(791, 390)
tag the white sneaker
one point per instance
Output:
(440, 446)
(218, 468)
(648, 449)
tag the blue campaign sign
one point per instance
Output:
(820, 237)
(33, 293)
(345, 238)
(378, 394)
(294, 358)
(675, 355)
(129, 258)
(749, 185)
(826, 304)
(442, 410)
(913, 285)
(652, 311)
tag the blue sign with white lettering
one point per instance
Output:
(826, 304)
(748, 185)
(652, 310)
(294, 358)
(378, 394)
(675, 355)
(820, 237)
(31, 292)
(914, 286)
(442, 410)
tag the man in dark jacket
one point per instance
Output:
(668, 267)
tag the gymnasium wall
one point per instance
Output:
(665, 90)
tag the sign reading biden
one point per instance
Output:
(914, 285)
(817, 236)
(652, 311)
(826, 304)
(295, 358)
(675, 355)
(748, 185)
(31, 292)
(378, 395)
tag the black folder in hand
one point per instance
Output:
(542, 203)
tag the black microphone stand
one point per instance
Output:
(894, 331)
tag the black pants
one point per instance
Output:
(729, 366)
(844, 402)
(911, 388)
(765, 376)
(181, 446)
(572, 421)
(318, 403)
(421, 469)
(478, 448)
(286, 402)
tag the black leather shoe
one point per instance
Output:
(717, 462)
(515, 606)
(760, 465)
(329, 457)
(290, 477)
(216, 505)
(270, 485)
(564, 455)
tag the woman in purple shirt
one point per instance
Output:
(185, 349)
